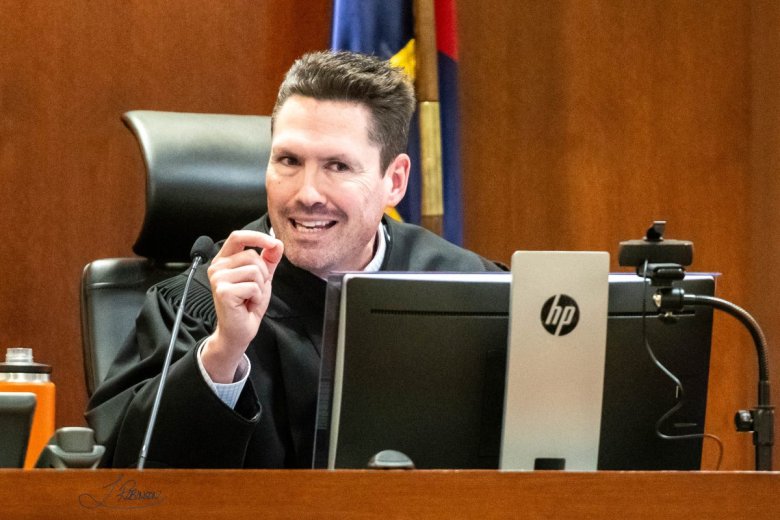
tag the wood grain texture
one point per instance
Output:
(72, 185)
(387, 494)
(764, 230)
(584, 121)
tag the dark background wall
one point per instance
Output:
(583, 121)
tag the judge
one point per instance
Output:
(242, 388)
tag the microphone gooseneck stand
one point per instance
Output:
(759, 420)
(201, 252)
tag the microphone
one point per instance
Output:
(202, 251)
(203, 248)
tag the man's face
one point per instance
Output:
(326, 193)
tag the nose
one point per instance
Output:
(310, 190)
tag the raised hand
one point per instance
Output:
(240, 280)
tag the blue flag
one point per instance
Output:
(385, 28)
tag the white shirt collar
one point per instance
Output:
(381, 246)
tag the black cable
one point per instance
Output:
(680, 390)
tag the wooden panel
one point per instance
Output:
(583, 121)
(387, 494)
(72, 186)
(764, 231)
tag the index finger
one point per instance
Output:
(244, 238)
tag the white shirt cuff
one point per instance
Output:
(227, 392)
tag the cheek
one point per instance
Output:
(277, 191)
(366, 201)
(369, 190)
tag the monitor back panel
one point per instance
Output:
(449, 372)
(398, 389)
(637, 394)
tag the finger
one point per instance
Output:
(245, 273)
(244, 258)
(238, 294)
(273, 255)
(256, 296)
(244, 238)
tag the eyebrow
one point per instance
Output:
(339, 157)
(281, 151)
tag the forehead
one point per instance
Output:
(306, 117)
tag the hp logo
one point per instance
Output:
(560, 315)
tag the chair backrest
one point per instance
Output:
(205, 175)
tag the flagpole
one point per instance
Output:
(427, 87)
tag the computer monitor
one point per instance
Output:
(416, 362)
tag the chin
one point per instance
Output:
(307, 262)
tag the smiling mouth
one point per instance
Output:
(312, 226)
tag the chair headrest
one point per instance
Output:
(205, 175)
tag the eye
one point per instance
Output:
(286, 160)
(338, 166)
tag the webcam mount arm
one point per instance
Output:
(663, 262)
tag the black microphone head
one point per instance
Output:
(203, 248)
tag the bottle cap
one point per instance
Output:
(20, 360)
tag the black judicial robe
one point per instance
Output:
(272, 425)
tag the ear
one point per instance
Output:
(397, 178)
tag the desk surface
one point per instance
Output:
(238, 494)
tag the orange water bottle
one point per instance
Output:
(20, 373)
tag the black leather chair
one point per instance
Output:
(205, 175)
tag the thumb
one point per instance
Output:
(272, 255)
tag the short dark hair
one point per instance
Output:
(352, 77)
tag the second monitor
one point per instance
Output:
(417, 362)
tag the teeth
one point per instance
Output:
(313, 225)
(319, 223)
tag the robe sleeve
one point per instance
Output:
(194, 427)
